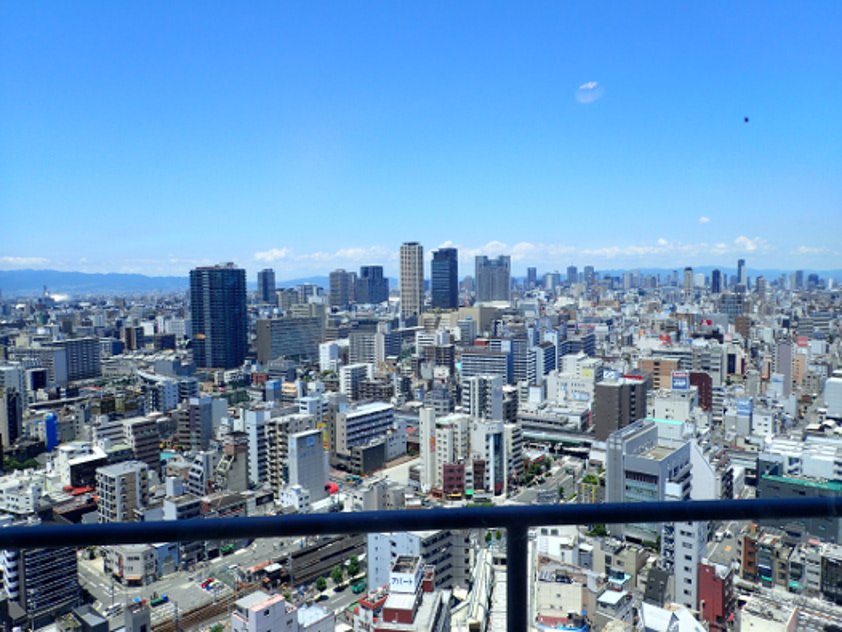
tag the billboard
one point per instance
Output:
(680, 381)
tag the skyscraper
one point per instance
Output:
(590, 277)
(412, 278)
(218, 310)
(371, 286)
(266, 286)
(445, 278)
(716, 281)
(531, 278)
(742, 275)
(340, 288)
(493, 278)
(572, 275)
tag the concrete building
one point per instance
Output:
(362, 424)
(44, 583)
(339, 293)
(483, 395)
(412, 279)
(351, 378)
(123, 490)
(448, 551)
(289, 337)
(371, 286)
(617, 404)
(307, 463)
(493, 278)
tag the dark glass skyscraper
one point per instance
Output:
(218, 309)
(716, 281)
(266, 286)
(445, 278)
(371, 286)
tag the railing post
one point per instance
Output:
(517, 580)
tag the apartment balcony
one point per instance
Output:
(517, 520)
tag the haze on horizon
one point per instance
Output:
(153, 138)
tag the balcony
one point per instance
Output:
(516, 520)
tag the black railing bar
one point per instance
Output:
(55, 535)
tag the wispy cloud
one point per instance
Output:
(812, 250)
(291, 259)
(704, 219)
(22, 262)
(589, 92)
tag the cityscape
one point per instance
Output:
(419, 317)
(453, 390)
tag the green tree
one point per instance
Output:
(354, 566)
(598, 530)
(337, 575)
(217, 627)
(488, 537)
(498, 535)
(321, 584)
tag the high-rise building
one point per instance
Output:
(412, 278)
(716, 281)
(340, 289)
(493, 278)
(742, 274)
(11, 416)
(688, 279)
(371, 286)
(590, 276)
(218, 309)
(617, 404)
(572, 275)
(43, 582)
(531, 278)
(445, 278)
(266, 286)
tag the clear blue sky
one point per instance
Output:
(151, 137)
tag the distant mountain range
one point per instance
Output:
(32, 282)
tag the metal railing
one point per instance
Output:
(517, 520)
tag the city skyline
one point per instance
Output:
(559, 135)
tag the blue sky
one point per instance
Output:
(151, 137)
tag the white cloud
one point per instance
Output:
(812, 250)
(662, 242)
(704, 219)
(275, 254)
(749, 244)
(589, 92)
(22, 262)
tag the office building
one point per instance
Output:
(412, 278)
(742, 273)
(589, 276)
(371, 287)
(11, 416)
(493, 278)
(266, 286)
(83, 358)
(482, 395)
(290, 337)
(339, 293)
(218, 312)
(362, 424)
(351, 377)
(617, 404)
(572, 275)
(307, 464)
(44, 583)
(445, 278)
(531, 278)
(716, 281)
(143, 437)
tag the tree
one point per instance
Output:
(217, 627)
(337, 575)
(598, 530)
(354, 566)
(488, 537)
(499, 535)
(321, 584)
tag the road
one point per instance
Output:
(182, 587)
